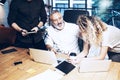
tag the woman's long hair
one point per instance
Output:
(92, 28)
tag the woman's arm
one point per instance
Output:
(82, 55)
(103, 53)
(85, 50)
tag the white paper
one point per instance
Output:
(47, 75)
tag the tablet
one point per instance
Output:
(65, 67)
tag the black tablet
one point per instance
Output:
(65, 67)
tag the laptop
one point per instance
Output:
(94, 65)
(43, 56)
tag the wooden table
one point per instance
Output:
(29, 68)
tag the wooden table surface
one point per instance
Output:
(29, 68)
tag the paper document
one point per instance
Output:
(47, 75)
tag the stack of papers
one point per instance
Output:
(47, 75)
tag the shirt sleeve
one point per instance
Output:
(48, 40)
(43, 14)
(12, 12)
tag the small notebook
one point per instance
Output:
(65, 67)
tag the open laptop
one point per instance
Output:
(94, 65)
(43, 56)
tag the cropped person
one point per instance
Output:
(96, 32)
(26, 16)
(5, 5)
(2, 12)
(2, 2)
(62, 37)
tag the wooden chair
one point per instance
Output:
(7, 36)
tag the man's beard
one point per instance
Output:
(59, 26)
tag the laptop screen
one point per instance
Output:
(43, 56)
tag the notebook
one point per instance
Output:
(94, 65)
(43, 56)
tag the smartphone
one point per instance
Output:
(8, 51)
(31, 32)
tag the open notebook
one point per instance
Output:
(43, 56)
(94, 65)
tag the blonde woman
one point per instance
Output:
(96, 32)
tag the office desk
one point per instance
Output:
(29, 68)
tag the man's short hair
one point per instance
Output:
(53, 12)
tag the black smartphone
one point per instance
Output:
(8, 51)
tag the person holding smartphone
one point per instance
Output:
(28, 16)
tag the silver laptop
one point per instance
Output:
(43, 56)
(94, 65)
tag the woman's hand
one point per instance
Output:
(74, 60)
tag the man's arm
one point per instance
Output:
(43, 14)
(43, 17)
(16, 27)
(50, 48)
(49, 44)
(19, 29)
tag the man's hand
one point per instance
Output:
(24, 32)
(52, 49)
(35, 29)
